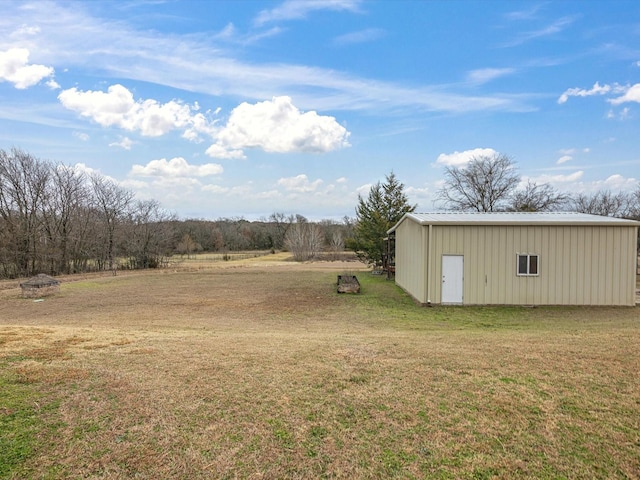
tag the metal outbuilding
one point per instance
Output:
(516, 258)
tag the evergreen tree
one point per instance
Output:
(381, 210)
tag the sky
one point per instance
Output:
(228, 109)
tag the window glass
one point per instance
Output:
(528, 264)
(522, 264)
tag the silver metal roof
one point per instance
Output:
(513, 218)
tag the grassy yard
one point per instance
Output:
(255, 370)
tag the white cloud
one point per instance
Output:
(298, 9)
(559, 179)
(597, 89)
(26, 30)
(81, 136)
(125, 142)
(177, 167)
(552, 29)
(632, 94)
(416, 192)
(568, 154)
(361, 36)
(341, 180)
(134, 184)
(14, 68)
(84, 168)
(198, 63)
(299, 184)
(618, 182)
(529, 14)
(218, 151)
(575, 183)
(485, 75)
(117, 107)
(52, 84)
(215, 189)
(268, 195)
(277, 126)
(459, 159)
(567, 151)
(244, 191)
(363, 190)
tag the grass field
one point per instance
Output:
(258, 369)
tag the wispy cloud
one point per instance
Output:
(203, 64)
(527, 14)
(485, 75)
(546, 31)
(299, 9)
(230, 34)
(361, 36)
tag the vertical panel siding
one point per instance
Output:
(578, 265)
(411, 261)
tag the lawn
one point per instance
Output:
(259, 369)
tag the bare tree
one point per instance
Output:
(336, 244)
(604, 203)
(55, 220)
(187, 246)
(483, 185)
(66, 197)
(537, 198)
(23, 184)
(112, 203)
(279, 225)
(304, 240)
(149, 234)
(634, 207)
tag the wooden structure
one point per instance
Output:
(40, 286)
(348, 284)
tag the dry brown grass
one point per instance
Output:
(260, 370)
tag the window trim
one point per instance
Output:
(528, 256)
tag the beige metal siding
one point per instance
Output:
(578, 265)
(411, 259)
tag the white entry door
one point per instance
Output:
(452, 278)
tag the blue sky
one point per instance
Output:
(245, 108)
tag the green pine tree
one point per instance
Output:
(381, 210)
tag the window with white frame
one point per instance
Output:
(528, 264)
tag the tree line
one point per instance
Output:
(57, 219)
